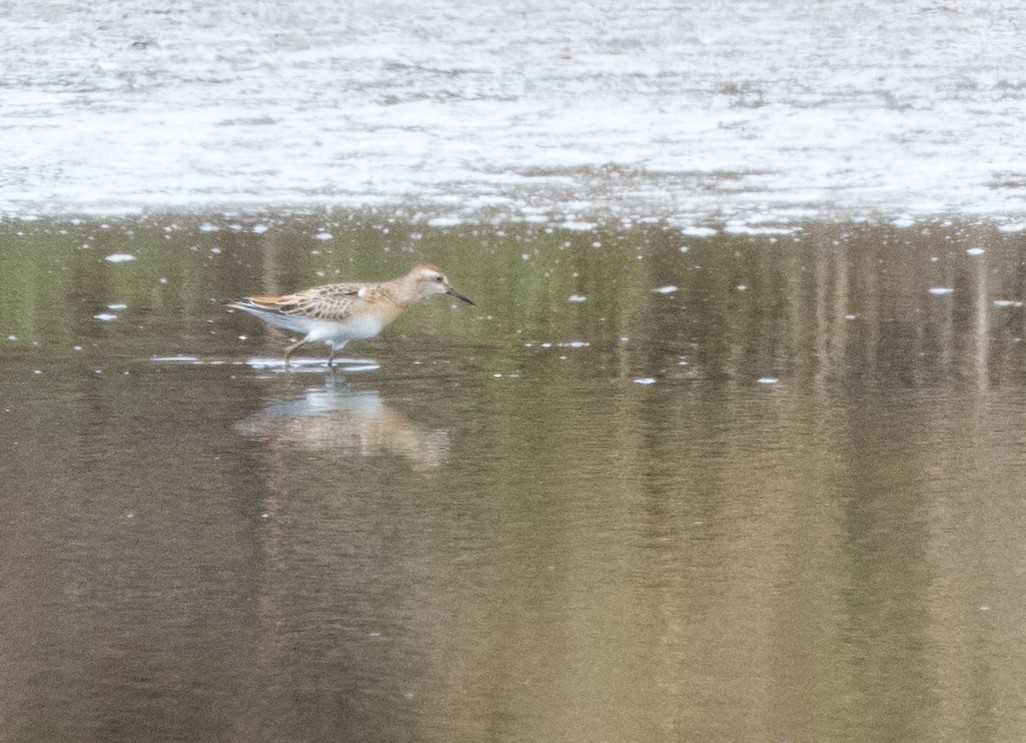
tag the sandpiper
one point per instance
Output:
(338, 313)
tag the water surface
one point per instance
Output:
(654, 487)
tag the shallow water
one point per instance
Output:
(654, 487)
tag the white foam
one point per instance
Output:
(578, 226)
(175, 359)
(445, 221)
(309, 364)
(750, 229)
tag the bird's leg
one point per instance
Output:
(334, 348)
(290, 349)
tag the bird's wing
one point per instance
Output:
(329, 302)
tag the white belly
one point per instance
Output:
(364, 327)
(358, 328)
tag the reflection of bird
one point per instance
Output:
(347, 422)
(338, 313)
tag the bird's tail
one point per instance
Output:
(267, 310)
